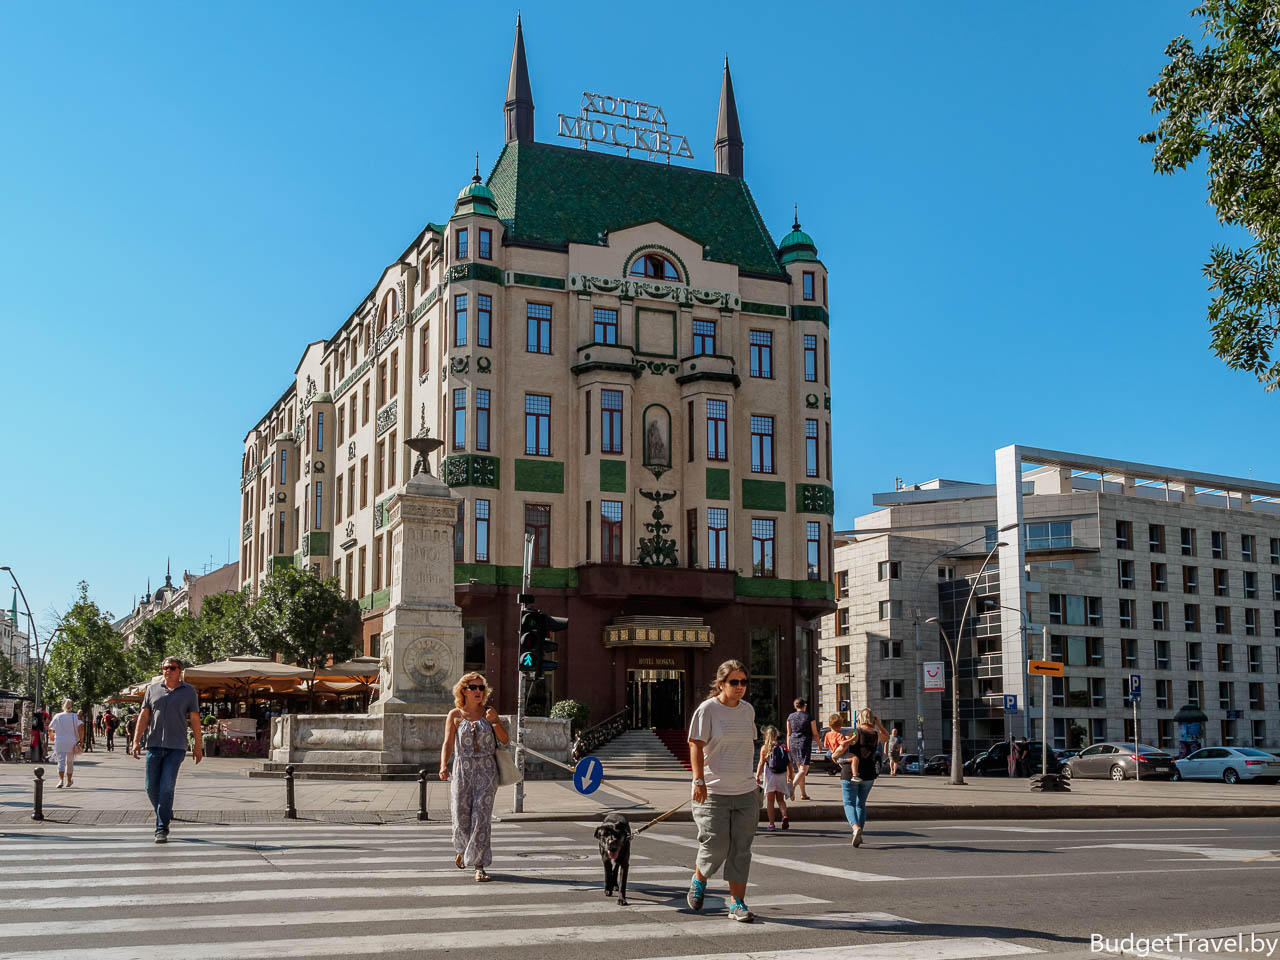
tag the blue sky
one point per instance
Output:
(191, 193)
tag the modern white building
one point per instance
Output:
(1124, 568)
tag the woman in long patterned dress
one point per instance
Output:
(470, 731)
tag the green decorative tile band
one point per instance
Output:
(815, 498)
(470, 470)
(816, 314)
(281, 563)
(540, 476)
(776, 587)
(717, 484)
(764, 495)
(474, 271)
(373, 601)
(316, 544)
(767, 309)
(613, 476)
(495, 575)
(352, 377)
(533, 280)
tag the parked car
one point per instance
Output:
(938, 765)
(1231, 764)
(1119, 761)
(994, 761)
(910, 763)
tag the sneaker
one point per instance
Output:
(738, 911)
(857, 837)
(785, 823)
(771, 827)
(162, 836)
(697, 890)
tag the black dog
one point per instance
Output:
(614, 835)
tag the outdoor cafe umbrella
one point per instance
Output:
(357, 675)
(245, 674)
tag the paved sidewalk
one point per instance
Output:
(109, 790)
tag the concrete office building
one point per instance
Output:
(1168, 573)
(622, 362)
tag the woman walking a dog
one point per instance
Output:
(726, 802)
(471, 734)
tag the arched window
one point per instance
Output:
(388, 311)
(652, 265)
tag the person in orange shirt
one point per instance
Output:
(831, 739)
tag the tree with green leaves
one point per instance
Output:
(156, 638)
(11, 678)
(305, 619)
(86, 661)
(221, 630)
(1220, 99)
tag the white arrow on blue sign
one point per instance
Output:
(588, 775)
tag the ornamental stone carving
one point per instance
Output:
(629, 289)
(387, 417)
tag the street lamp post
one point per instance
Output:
(957, 765)
(35, 639)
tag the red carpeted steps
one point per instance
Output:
(677, 741)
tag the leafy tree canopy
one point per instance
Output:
(11, 678)
(86, 662)
(1221, 100)
(221, 630)
(305, 619)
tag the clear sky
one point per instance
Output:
(191, 193)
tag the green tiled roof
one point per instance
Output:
(557, 195)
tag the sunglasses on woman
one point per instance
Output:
(736, 682)
(476, 686)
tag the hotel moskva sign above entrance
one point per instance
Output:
(629, 124)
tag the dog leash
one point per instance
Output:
(659, 819)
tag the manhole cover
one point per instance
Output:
(553, 856)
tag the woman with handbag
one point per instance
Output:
(472, 733)
(68, 733)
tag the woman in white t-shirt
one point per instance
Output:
(726, 801)
(68, 730)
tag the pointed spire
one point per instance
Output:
(795, 224)
(476, 177)
(168, 564)
(519, 105)
(728, 133)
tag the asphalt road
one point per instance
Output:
(939, 891)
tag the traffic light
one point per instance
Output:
(536, 644)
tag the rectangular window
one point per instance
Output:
(460, 247)
(1129, 653)
(1250, 585)
(1247, 544)
(1226, 695)
(1250, 622)
(424, 350)
(537, 425)
(1255, 659)
(391, 459)
(1155, 537)
(460, 320)
(761, 444)
(485, 244)
(484, 320)
(889, 570)
(761, 349)
(717, 538)
(1159, 615)
(1159, 578)
(610, 421)
(890, 609)
(380, 468)
(1275, 550)
(842, 622)
(351, 492)
(1191, 617)
(890, 649)
(482, 419)
(1126, 613)
(320, 430)
(1093, 608)
(842, 585)
(1162, 654)
(1275, 586)
(762, 546)
(1221, 585)
(717, 430)
(1164, 693)
(363, 560)
(280, 539)
(810, 357)
(460, 533)
(538, 328)
(610, 531)
(364, 414)
(395, 372)
(1188, 542)
(460, 419)
(811, 448)
(382, 387)
(691, 537)
(1224, 658)
(1124, 535)
(1218, 544)
(891, 689)
(364, 481)
(1048, 536)
(1195, 692)
(813, 549)
(1194, 661)
(537, 521)
(587, 528)
(704, 337)
(342, 423)
(284, 466)
(604, 325)
(1125, 570)
(1190, 579)
(806, 284)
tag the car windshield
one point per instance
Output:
(1250, 752)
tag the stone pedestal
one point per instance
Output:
(422, 654)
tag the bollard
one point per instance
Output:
(422, 794)
(290, 810)
(37, 808)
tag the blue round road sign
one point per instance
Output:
(587, 775)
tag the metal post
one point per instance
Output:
(290, 811)
(1137, 743)
(517, 794)
(1044, 707)
(919, 708)
(35, 639)
(37, 806)
(422, 793)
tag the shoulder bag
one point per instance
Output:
(508, 773)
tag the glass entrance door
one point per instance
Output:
(655, 699)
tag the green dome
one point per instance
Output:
(478, 192)
(797, 245)
(475, 197)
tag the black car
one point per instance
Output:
(938, 765)
(994, 762)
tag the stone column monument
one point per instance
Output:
(422, 656)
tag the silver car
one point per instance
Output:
(1120, 761)
(1231, 764)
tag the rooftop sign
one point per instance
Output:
(629, 124)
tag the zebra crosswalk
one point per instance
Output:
(391, 891)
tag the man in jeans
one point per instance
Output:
(168, 709)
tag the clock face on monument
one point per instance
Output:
(429, 664)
